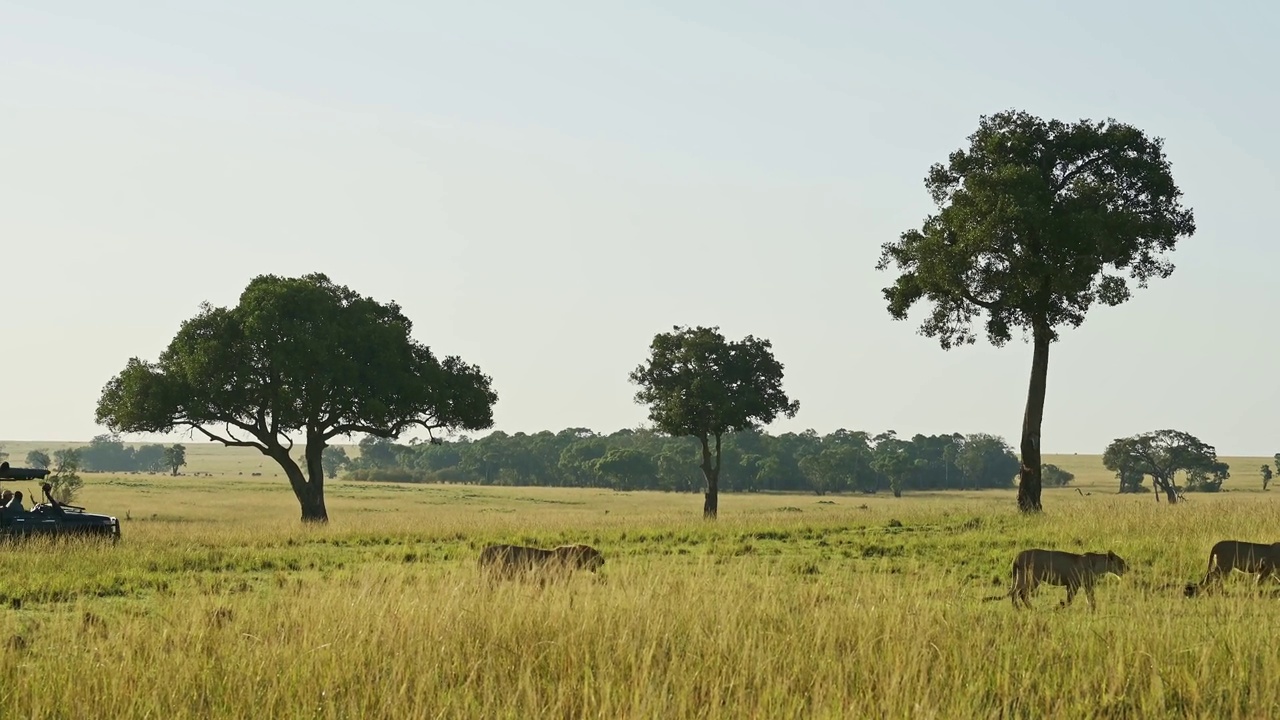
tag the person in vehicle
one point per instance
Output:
(15, 504)
(50, 501)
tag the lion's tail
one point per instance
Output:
(1013, 586)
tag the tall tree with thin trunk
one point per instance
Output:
(297, 357)
(1036, 221)
(698, 384)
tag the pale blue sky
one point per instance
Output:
(545, 185)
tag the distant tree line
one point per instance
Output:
(108, 453)
(843, 461)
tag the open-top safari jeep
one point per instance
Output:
(50, 518)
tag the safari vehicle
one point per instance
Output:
(51, 518)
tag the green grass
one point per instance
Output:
(217, 602)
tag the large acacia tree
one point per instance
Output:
(700, 385)
(1037, 221)
(1163, 454)
(297, 357)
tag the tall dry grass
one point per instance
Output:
(218, 603)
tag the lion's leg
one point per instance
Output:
(1213, 578)
(1088, 593)
(1265, 571)
(1072, 588)
(1020, 587)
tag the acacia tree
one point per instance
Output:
(297, 357)
(65, 481)
(175, 457)
(700, 385)
(1163, 454)
(333, 459)
(1266, 475)
(38, 459)
(893, 460)
(1036, 222)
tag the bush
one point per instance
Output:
(1054, 476)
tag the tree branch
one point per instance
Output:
(1067, 177)
(229, 443)
(376, 431)
(970, 297)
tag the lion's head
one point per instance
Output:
(582, 556)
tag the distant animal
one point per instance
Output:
(1228, 555)
(1058, 567)
(511, 560)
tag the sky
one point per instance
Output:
(544, 186)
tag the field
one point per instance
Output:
(217, 602)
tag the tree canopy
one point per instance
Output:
(297, 356)
(698, 384)
(1163, 454)
(1037, 221)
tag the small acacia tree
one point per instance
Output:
(65, 481)
(175, 457)
(892, 459)
(1163, 454)
(297, 357)
(1266, 476)
(1036, 222)
(334, 459)
(39, 459)
(698, 384)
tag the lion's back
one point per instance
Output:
(1048, 564)
(1246, 556)
(507, 556)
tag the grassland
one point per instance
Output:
(218, 603)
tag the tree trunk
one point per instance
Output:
(309, 491)
(1029, 477)
(1170, 490)
(711, 499)
(313, 509)
(312, 501)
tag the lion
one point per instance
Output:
(1228, 555)
(1058, 567)
(510, 560)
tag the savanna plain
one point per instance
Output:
(218, 602)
